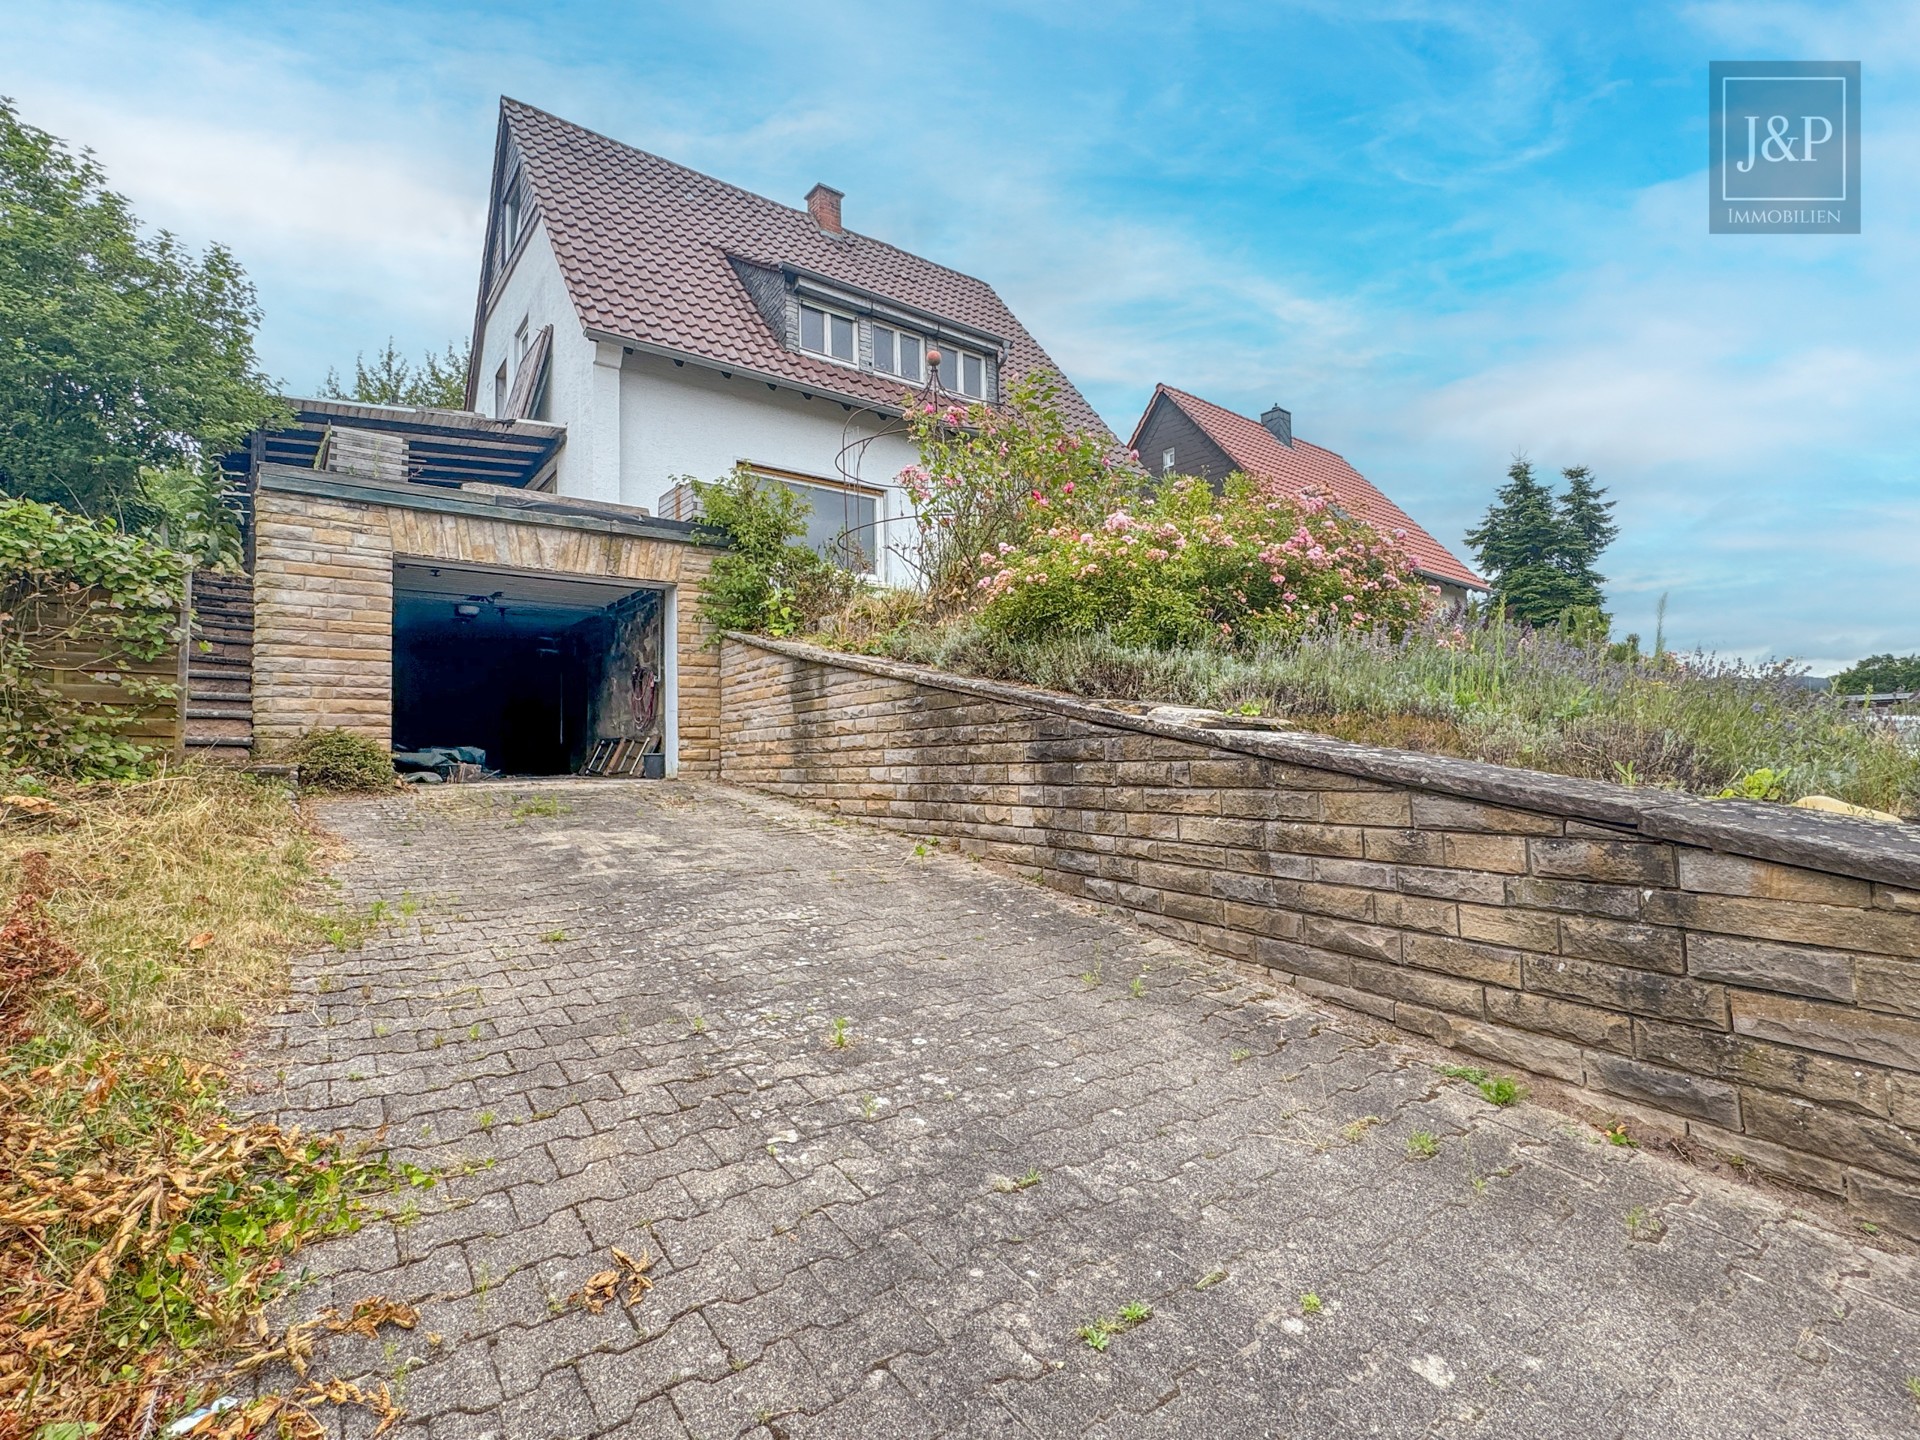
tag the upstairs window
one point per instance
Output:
(1166, 461)
(510, 211)
(896, 352)
(963, 373)
(825, 333)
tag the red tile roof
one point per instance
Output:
(1255, 450)
(644, 244)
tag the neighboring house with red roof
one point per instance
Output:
(677, 325)
(1181, 434)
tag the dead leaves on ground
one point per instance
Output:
(296, 1345)
(291, 1417)
(603, 1289)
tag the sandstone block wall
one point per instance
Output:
(1746, 975)
(323, 604)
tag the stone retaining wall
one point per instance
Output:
(1748, 975)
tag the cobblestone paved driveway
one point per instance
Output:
(613, 1026)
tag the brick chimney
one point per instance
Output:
(1280, 423)
(823, 203)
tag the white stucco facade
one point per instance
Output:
(534, 294)
(639, 423)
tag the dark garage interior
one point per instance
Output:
(536, 670)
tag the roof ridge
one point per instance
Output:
(507, 100)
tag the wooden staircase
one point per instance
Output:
(218, 702)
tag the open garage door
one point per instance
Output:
(537, 671)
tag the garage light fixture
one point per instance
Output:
(465, 610)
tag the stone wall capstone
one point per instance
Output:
(1745, 975)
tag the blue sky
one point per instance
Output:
(1438, 233)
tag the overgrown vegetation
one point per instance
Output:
(763, 581)
(1186, 566)
(1484, 689)
(341, 762)
(144, 1226)
(88, 589)
(129, 366)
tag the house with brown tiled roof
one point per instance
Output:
(677, 325)
(1181, 434)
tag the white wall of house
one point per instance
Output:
(689, 420)
(637, 424)
(536, 294)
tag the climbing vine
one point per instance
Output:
(84, 588)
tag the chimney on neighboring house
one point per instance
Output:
(823, 203)
(1280, 422)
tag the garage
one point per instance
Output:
(544, 674)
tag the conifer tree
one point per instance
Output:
(1539, 549)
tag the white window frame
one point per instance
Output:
(951, 358)
(512, 213)
(1166, 460)
(899, 333)
(876, 493)
(829, 313)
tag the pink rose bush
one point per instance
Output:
(1184, 565)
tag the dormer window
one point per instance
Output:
(896, 352)
(963, 372)
(826, 333)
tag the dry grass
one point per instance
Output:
(142, 1228)
(182, 894)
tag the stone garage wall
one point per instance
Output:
(324, 547)
(1746, 974)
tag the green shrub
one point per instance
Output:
(67, 581)
(1188, 566)
(763, 582)
(341, 762)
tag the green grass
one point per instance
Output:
(1499, 1089)
(1492, 693)
(1422, 1145)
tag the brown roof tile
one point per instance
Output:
(1254, 449)
(643, 245)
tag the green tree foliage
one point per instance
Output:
(1540, 549)
(438, 381)
(67, 581)
(763, 581)
(119, 356)
(1880, 675)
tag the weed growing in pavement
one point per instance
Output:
(1098, 1334)
(698, 1023)
(1355, 1130)
(1617, 1135)
(1422, 1145)
(1499, 1089)
(838, 1037)
(1212, 1278)
(1138, 989)
(1237, 1056)
(528, 808)
(555, 937)
(1644, 1225)
(1310, 1304)
(1027, 1181)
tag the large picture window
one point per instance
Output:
(842, 520)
